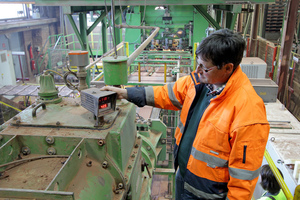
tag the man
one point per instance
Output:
(222, 131)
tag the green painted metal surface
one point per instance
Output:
(88, 162)
(133, 36)
(115, 70)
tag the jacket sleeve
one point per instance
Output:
(248, 145)
(169, 96)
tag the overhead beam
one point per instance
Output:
(143, 2)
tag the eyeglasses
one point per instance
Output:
(205, 70)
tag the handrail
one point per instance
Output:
(278, 176)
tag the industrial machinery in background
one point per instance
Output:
(88, 148)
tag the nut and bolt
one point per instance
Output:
(163, 141)
(15, 118)
(101, 142)
(272, 139)
(132, 155)
(136, 145)
(18, 121)
(129, 166)
(51, 151)
(89, 164)
(50, 139)
(57, 123)
(139, 137)
(105, 164)
(26, 151)
(120, 185)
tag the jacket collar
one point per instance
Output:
(235, 81)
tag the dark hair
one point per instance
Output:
(222, 47)
(268, 180)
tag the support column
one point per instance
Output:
(104, 36)
(254, 28)
(286, 47)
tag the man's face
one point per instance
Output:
(210, 73)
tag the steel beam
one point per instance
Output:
(206, 16)
(142, 2)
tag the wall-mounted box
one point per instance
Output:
(254, 67)
(265, 88)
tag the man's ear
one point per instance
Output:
(229, 68)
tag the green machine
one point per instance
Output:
(91, 147)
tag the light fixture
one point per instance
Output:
(160, 8)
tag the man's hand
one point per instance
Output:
(122, 93)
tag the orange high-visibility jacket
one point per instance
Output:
(229, 145)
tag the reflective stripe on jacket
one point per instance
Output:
(229, 145)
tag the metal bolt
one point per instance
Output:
(120, 185)
(132, 155)
(18, 121)
(89, 164)
(136, 145)
(50, 139)
(139, 137)
(51, 151)
(57, 123)
(101, 142)
(272, 139)
(280, 161)
(163, 141)
(105, 164)
(129, 166)
(15, 118)
(26, 151)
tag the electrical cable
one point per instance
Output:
(109, 23)
(113, 27)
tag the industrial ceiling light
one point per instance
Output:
(160, 8)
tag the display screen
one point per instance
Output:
(104, 103)
(103, 99)
(103, 106)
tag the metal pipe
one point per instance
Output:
(165, 73)
(139, 69)
(136, 53)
